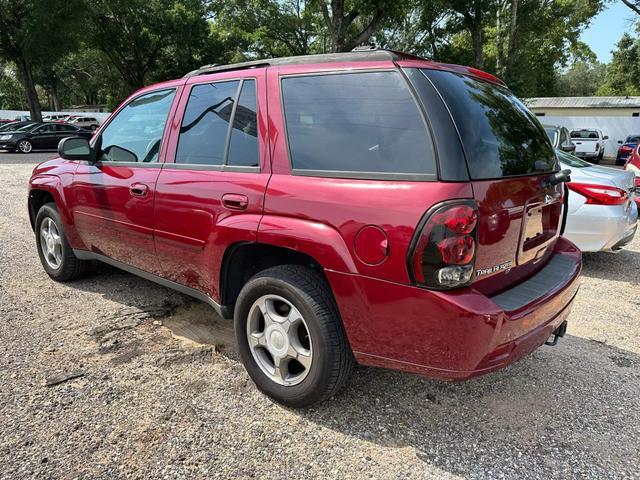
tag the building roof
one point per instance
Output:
(358, 55)
(583, 102)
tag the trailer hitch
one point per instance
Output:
(558, 332)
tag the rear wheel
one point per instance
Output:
(25, 146)
(54, 250)
(290, 336)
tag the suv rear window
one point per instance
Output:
(362, 125)
(501, 138)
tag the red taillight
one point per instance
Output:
(443, 252)
(625, 149)
(597, 146)
(599, 194)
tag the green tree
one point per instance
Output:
(34, 32)
(11, 92)
(137, 36)
(623, 72)
(352, 23)
(269, 28)
(582, 79)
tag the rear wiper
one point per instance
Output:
(559, 177)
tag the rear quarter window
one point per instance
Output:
(361, 125)
(501, 138)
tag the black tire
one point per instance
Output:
(309, 292)
(70, 267)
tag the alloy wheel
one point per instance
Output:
(51, 243)
(25, 146)
(279, 340)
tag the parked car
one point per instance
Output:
(39, 136)
(633, 165)
(590, 144)
(21, 118)
(7, 127)
(88, 123)
(602, 212)
(55, 117)
(626, 147)
(306, 198)
(560, 138)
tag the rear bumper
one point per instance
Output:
(460, 334)
(595, 228)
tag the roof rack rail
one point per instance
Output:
(358, 54)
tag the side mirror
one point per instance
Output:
(620, 142)
(606, 137)
(75, 148)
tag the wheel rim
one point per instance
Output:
(25, 146)
(51, 243)
(279, 340)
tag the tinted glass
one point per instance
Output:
(243, 149)
(203, 133)
(552, 133)
(66, 128)
(355, 122)
(632, 139)
(135, 134)
(501, 137)
(585, 134)
(28, 128)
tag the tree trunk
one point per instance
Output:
(55, 98)
(499, 42)
(477, 39)
(511, 49)
(26, 79)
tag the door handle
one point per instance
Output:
(138, 189)
(235, 201)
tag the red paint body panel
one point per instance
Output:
(448, 335)
(189, 218)
(108, 219)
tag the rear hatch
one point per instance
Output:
(509, 158)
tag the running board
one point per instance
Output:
(221, 310)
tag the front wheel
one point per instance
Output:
(290, 336)
(25, 146)
(54, 250)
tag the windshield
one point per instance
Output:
(585, 134)
(633, 139)
(571, 160)
(27, 128)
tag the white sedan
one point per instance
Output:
(602, 213)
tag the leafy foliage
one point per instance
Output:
(99, 51)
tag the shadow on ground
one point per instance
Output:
(621, 266)
(568, 411)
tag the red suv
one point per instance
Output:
(368, 207)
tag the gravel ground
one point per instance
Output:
(159, 391)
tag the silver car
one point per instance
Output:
(602, 213)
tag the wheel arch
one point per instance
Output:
(45, 189)
(243, 260)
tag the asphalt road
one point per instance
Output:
(160, 393)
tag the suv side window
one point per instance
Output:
(243, 146)
(135, 134)
(219, 126)
(363, 125)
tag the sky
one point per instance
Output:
(607, 28)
